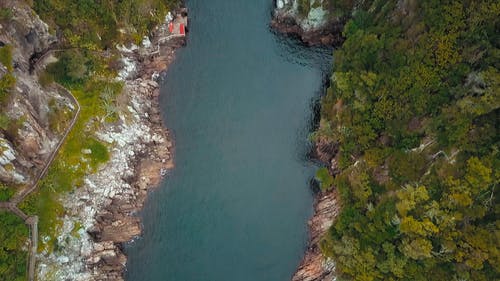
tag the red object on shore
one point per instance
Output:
(171, 27)
(182, 30)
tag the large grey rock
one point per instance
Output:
(29, 134)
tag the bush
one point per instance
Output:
(13, 238)
(5, 14)
(6, 193)
(71, 68)
(324, 178)
(7, 81)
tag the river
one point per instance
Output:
(239, 102)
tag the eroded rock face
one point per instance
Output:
(27, 32)
(309, 19)
(28, 135)
(310, 15)
(315, 267)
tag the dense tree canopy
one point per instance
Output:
(414, 101)
(13, 239)
(99, 24)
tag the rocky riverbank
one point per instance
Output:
(100, 215)
(314, 266)
(314, 27)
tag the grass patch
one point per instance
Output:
(76, 228)
(324, 178)
(4, 121)
(101, 24)
(59, 116)
(7, 81)
(6, 57)
(45, 79)
(99, 153)
(6, 193)
(13, 237)
(11, 126)
(5, 14)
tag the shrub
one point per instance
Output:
(324, 178)
(5, 14)
(12, 239)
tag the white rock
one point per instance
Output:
(98, 247)
(169, 17)
(63, 259)
(146, 43)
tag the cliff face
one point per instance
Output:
(29, 136)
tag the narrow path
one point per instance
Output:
(19, 197)
(11, 206)
(33, 223)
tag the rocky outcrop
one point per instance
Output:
(314, 267)
(28, 140)
(310, 20)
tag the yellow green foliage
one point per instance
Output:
(412, 73)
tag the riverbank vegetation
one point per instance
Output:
(88, 33)
(80, 155)
(413, 109)
(13, 244)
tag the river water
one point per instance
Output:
(239, 102)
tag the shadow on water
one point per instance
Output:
(298, 52)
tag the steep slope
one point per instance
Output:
(29, 127)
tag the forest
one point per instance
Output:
(413, 110)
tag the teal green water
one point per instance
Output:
(239, 102)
